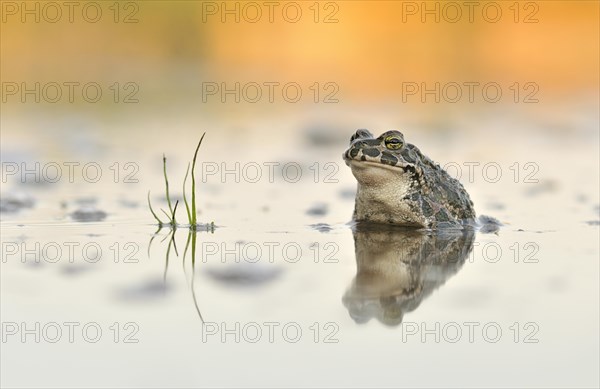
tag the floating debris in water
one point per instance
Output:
(86, 201)
(321, 227)
(74, 270)
(489, 225)
(149, 290)
(317, 210)
(348, 193)
(88, 214)
(244, 274)
(11, 203)
(547, 186)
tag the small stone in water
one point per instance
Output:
(15, 202)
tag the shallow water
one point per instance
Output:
(284, 289)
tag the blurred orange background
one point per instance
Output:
(369, 49)
(368, 46)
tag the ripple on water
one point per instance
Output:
(244, 274)
(88, 214)
(320, 209)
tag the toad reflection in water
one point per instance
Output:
(397, 268)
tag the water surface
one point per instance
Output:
(285, 290)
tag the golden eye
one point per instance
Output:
(393, 143)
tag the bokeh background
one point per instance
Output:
(368, 49)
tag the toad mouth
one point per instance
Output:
(359, 164)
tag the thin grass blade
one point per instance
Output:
(160, 223)
(167, 183)
(193, 223)
(187, 206)
(168, 216)
(173, 221)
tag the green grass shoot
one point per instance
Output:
(193, 219)
(187, 206)
(160, 223)
(173, 221)
(167, 182)
(190, 210)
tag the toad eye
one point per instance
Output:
(393, 143)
